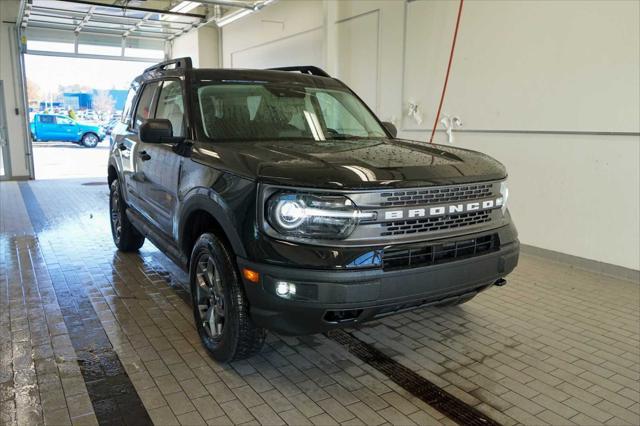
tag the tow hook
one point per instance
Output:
(501, 282)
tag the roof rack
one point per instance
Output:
(304, 69)
(184, 63)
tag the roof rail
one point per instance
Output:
(184, 63)
(304, 69)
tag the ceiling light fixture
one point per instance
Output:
(185, 6)
(227, 19)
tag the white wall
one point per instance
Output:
(576, 194)
(278, 35)
(553, 67)
(521, 65)
(201, 45)
(9, 74)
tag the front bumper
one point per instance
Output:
(327, 299)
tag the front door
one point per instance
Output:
(67, 129)
(129, 146)
(160, 164)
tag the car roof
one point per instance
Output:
(257, 75)
(232, 75)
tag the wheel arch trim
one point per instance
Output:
(207, 200)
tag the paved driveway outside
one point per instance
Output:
(61, 160)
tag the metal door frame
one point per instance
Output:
(6, 157)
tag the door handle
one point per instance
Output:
(144, 156)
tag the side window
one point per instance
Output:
(63, 120)
(144, 110)
(47, 119)
(126, 113)
(171, 105)
(338, 118)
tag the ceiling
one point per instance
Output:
(107, 20)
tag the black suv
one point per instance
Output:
(293, 208)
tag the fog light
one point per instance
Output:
(285, 289)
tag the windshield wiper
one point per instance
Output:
(340, 136)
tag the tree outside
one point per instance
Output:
(34, 91)
(103, 103)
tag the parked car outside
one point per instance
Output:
(57, 127)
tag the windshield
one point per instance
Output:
(270, 111)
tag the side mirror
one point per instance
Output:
(391, 128)
(157, 130)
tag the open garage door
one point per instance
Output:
(100, 30)
(72, 34)
(87, 37)
(136, 31)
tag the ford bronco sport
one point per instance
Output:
(293, 208)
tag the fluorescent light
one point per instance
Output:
(185, 6)
(232, 17)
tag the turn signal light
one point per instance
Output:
(251, 275)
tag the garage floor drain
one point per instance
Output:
(447, 404)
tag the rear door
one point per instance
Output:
(161, 167)
(47, 128)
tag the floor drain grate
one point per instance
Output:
(454, 408)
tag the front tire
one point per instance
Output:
(90, 140)
(125, 236)
(220, 306)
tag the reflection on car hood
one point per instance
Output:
(345, 164)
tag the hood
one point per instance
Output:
(350, 164)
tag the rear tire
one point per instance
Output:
(90, 140)
(125, 236)
(220, 306)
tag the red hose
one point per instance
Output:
(446, 78)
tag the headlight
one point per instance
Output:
(504, 192)
(330, 217)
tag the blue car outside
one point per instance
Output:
(55, 127)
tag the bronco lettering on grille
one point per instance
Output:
(415, 213)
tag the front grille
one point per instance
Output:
(414, 226)
(436, 195)
(431, 254)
